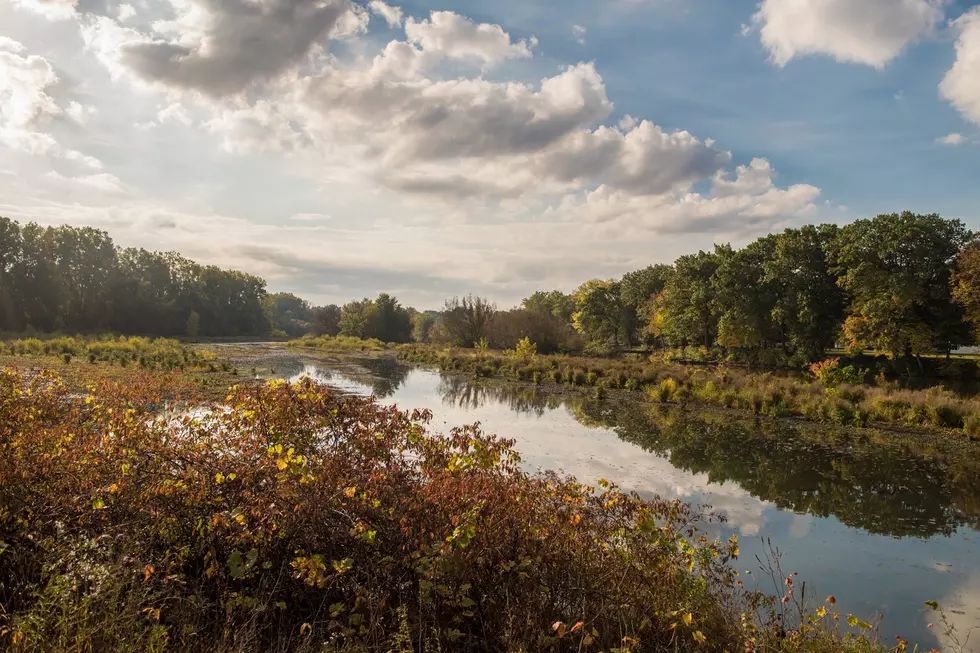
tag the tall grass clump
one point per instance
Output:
(156, 353)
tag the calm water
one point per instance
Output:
(884, 526)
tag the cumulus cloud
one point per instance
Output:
(26, 105)
(871, 32)
(392, 15)
(961, 85)
(219, 48)
(456, 36)
(126, 11)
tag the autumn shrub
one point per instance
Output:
(337, 343)
(830, 373)
(295, 518)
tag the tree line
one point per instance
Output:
(904, 283)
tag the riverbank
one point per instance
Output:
(770, 394)
(246, 530)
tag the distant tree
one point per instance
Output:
(289, 313)
(599, 314)
(193, 324)
(326, 320)
(391, 322)
(10, 247)
(897, 270)
(743, 300)
(555, 303)
(422, 324)
(357, 319)
(685, 312)
(468, 320)
(966, 284)
(638, 291)
(809, 304)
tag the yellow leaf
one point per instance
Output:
(281, 464)
(576, 519)
(821, 611)
(350, 492)
(699, 637)
(688, 619)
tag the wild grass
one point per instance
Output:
(772, 394)
(304, 520)
(148, 353)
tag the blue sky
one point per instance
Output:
(344, 148)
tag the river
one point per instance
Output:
(884, 522)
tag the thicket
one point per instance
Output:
(836, 398)
(305, 520)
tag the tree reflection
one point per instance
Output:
(387, 374)
(883, 483)
(883, 487)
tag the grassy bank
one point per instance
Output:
(772, 394)
(190, 372)
(303, 520)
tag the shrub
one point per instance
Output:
(830, 373)
(304, 516)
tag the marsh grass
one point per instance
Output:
(772, 394)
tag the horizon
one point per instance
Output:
(432, 151)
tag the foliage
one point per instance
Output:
(685, 312)
(326, 320)
(303, 519)
(831, 374)
(966, 283)
(467, 320)
(599, 313)
(382, 319)
(525, 351)
(896, 269)
(288, 313)
(422, 324)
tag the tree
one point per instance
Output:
(599, 314)
(897, 270)
(357, 319)
(422, 324)
(193, 324)
(638, 291)
(468, 320)
(809, 304)
(685, 312)
(326, 320)
(966, 284)
(288, 313)
(392, 323)
(10, 247)
(554, 303)
(743, 301)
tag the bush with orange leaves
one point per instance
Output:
(291, 517)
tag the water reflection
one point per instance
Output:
(884, 484)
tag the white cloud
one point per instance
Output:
(455, 36)
(392, 15)
(126, 11)
(961, 85)
(103, 182)
(579, 33)
(871, 32)
(951, 139)
(50, 9)
(174, 113)
(26, 105)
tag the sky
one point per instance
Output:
(342, 148)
